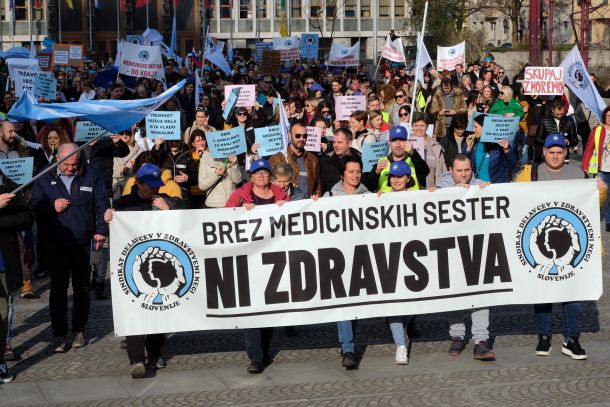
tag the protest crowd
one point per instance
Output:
(349, 132)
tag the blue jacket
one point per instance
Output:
(501, 164)
(83, 218)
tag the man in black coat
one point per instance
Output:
(556, 122)
(15, 216)
(329, 164)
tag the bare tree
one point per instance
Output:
(324, 13)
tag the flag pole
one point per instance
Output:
(118, 22)
(12, 26)
(147, 14)
(90, 28)
(30, 4)
(420, 41)
(59, 14)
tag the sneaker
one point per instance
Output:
(255, 367)
(349, 360)
(59, 344)
(79, 340)
(607, 227)
(544, 345)
(402, 357)
(572, 348)
(9, 354)
(5, 375)
(482, 351)
(156, 362)
(26, 290)
(457, 346)
(138, 370)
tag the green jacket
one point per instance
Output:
(499, 107)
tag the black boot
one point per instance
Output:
(99, 292)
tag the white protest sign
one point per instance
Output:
(25, 80)
(247, 94)
(225, 143)
(346, 105)
(21, 63)
(372, 152)
(344, 56)
(269, 140)
(142, 61)
(289, 47)
(542, 80)
(314, 139)
(165, 125)
(418, 145)
(19, 170)
(357, 257)
(448, 57)
(498, 128)
(86, 130)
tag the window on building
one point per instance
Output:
(225, 9)
(212, 9)
(365, 8)
(315, 11)
(350, 8)
(331, 11)
(244, 9)
(297, 6)
(384, 8)
(261, 8)
(38, 12)
(399, 8)
(21, 11)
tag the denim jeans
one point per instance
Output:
(346, 336)
(397, 327)
(571, 318)
(258, 341)
(480, 324)
(605, 176)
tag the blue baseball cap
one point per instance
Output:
(555, 140)
(316, 86)
(400, 168)
(150, 174)
(259, 165)
(398, 132)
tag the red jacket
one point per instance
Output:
(588, 151)
(244, 195)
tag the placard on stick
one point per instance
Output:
(271, 63)
(67, 55)
(165, 125)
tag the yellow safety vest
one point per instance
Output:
(385, 116)
(385, 174)
(593, 162)
(421, 100)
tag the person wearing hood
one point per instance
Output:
(434, 155)
(350, 168)
(180, 162)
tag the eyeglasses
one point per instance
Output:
(308, 105)
(300, 136)
(325, 111)
(268, 81)
(404, 114)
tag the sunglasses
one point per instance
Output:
(268, 81)
(300, 136)
(501, 72)
(403, 114)
(400, 96)
(501, 93)
(325, 111)
(201, 109)
(308, 105)
(242, 113)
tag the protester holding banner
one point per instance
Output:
(447, 102)
(350, 168)
(144, 196)
(71, 201)
(596, 156)
(493, 162)
(259, 191)
(330, 163)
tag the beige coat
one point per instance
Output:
(208, 178)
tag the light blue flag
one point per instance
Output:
(577, 78)
(225, 143)
(213, 53)
(112, 115)
(19, 170)
(172, 45)
(231, 102)
(372, 152)
(269, 140)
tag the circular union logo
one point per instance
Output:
(577, 76)
(158, 273)
(452, 52)
(554, 240)
(143, 55)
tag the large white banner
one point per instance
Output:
(394, 50)
(448, 57)
(290, 48)
(142, 61)
(344, 56)
(354, 257)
